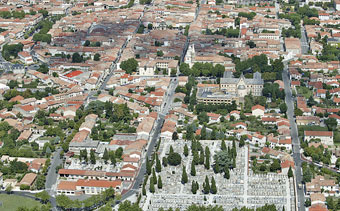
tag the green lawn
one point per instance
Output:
(304, 91)
(12, 202)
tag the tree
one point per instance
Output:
(43, 68)
(217, 168)
(127, 205)
(150, 26)
(251, 44)
(174, 136)
(173, 72)
(106, 156)
(283, 108)
(158, 164)
(87, 43)
(108, 193)
(159, 184)
(290, 172)
(213, 188)
(129, 65)
(40, 182)
(165, 162)
(140, 29)
(307, 175)
(171, 150)
(242, 140)
(213, 135)
(96, 57)
(76, 58)
(64, 201)
(92, 157)
(174, 159)
(275, 165)
(43, 12)
(54, 74)
(193, 187)
(234, 149)
(152, 185)
(193, 169)
(331, 123)
(112, 158)
(224, 159)
(148, 166)
(203, 133)
(298, 112)
(160, 53)
(184, 176)
(9, 189)
(223, 146)
(198, 159)
(207, 161)
(203, 117)
(154, 176)
(337, 163)
(330, 203)
(206, 186)
(186, 150)
(43, 196)
(144, 190)
(226, 172)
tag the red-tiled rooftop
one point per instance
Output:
(74, 73)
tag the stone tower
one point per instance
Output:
(190, 55)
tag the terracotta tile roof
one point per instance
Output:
(257, 107)
(269, 119)
(67, 185)
(81, 172)
(213, 115)
(318, 133)
(80, 136)
(16, 98)
(28, 179)
(318, 207)
(287, 164)
(27, 108)
(98, 183)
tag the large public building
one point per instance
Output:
(230, 89)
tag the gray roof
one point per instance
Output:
(228, 78)
(125, 137)
(91, 144)
(228, 74)
(206, 93)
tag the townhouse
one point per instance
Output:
(321, 185)
(326, 137)
(86, 186)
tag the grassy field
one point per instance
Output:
(304, 91)
(12, 202)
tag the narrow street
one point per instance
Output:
(295, 138)
(52, 175)
(159, 123)
(304, 41)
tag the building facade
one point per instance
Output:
(231, 89)
(242, 86)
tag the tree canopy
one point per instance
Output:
(129, 65)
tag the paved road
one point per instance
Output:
(295, 138)
(304, 41)
(113, 66)
(7, 66)
(21, 193)
(51, 177)
(159, 123)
